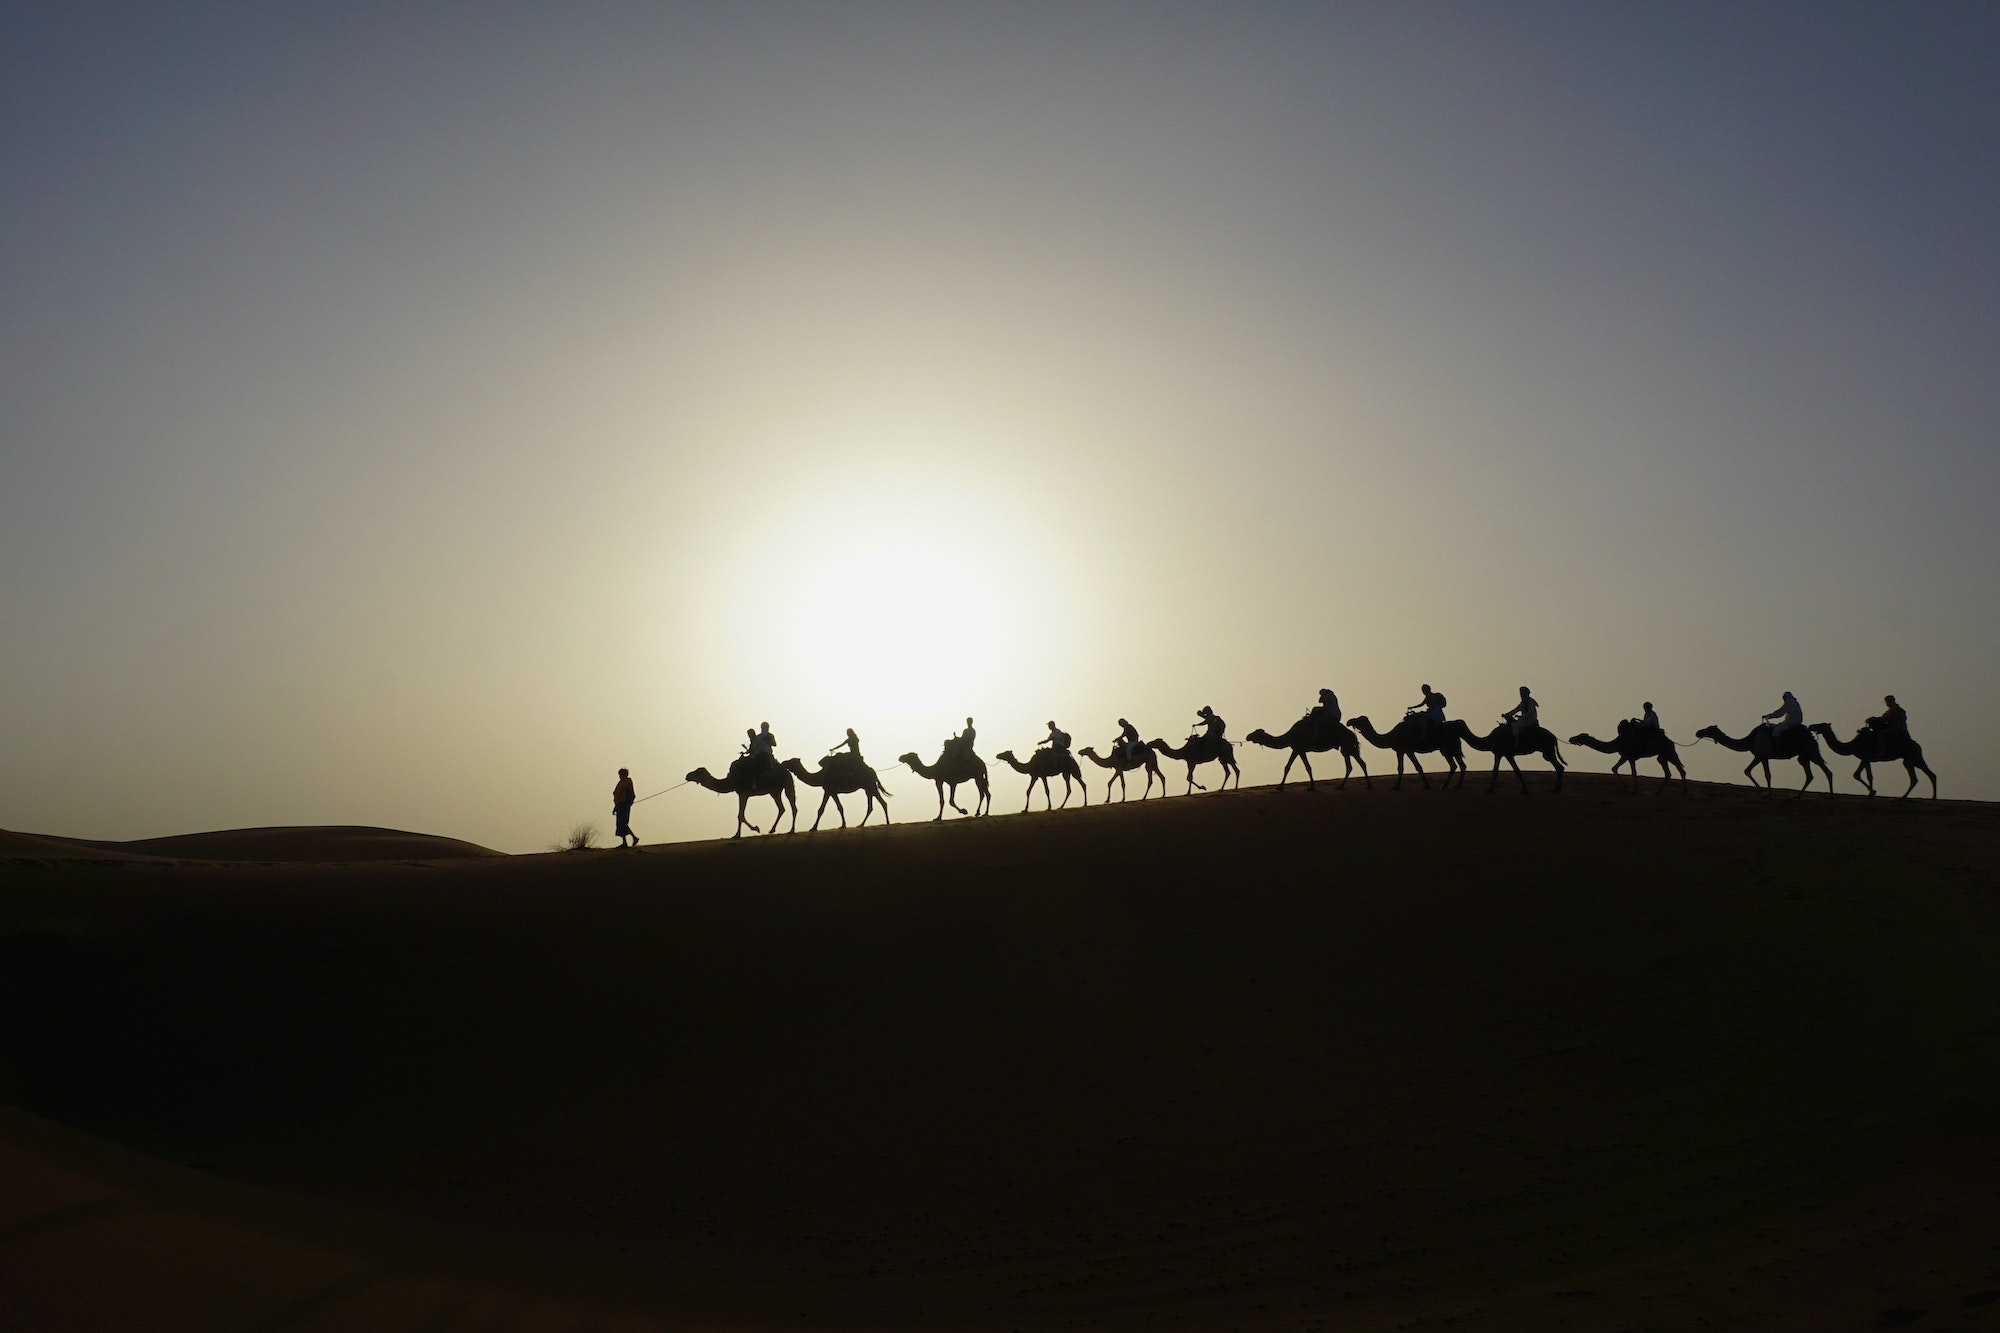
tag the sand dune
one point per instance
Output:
(309, 843)
(1353, 1059)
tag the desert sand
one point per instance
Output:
(1354, 1059)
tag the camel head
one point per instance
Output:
(1822, 729)
(1581, 738)
(700, 775)
(1089, 752)
(1259, 736)
(1710, 733)
(910, 759)
(1008, 755)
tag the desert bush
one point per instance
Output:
(581, 838)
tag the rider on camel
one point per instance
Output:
(852, 745)
(1786, 714)
(1058, 740)
(1893, 724)
(762, 752)
(1128, 741)
(962, 742)
(1431, 710)
(1526, 715)
(1212, 725)
(1325, 714)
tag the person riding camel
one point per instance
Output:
(1893, 724)
(762, 751)
(1787, 714)
(1212, 725)
(1430, 711)
(1128, 741)
(1058, 740)
(962, 742)
(1526, 715)
(1325, 714)
(1649, 720)
(852, 745)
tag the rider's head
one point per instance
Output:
(1889, 699)
(1427, 689)
(1326, 696)
(763, 726)
(623, 773)
(1649, 703)
(1052, 724)
(968, 722)
(1524, 691)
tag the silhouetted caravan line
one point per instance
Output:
(842, 775)
(1873, 747)
(1636, 742)
(1424, 729)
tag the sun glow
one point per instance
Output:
(899, 607)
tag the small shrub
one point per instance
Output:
(581, 838)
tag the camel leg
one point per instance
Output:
(823, 799)
(1417, 765)
(1864, 777)
(1362, 760)
(742, 803)
(940, 813)
(985, 803)
(1805, 766)
(1750, 771)
(839, 809)
(1312, 778)
(1289, 761)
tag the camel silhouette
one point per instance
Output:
(1410, 738)
(953, 767)
(775, 783)
(1635, 743)
(1503, 742)
(1123, 764)
(1763, 746)
(1043, 765)
(1310, 736)
(1872, 748)
(842, 775)
(1201, 750)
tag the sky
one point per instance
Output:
(410, 416)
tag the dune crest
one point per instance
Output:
(331, 843)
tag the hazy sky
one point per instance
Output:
(409, 416)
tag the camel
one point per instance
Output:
(1122, 764)
(1503, 742)
(1310, 736)
(953, 767)
(842, 775)
(1635, 743)
(775, 783)
(1201, 750)
(1410, 738)
(1763, 745)
(1042, 765)
(1871, 747)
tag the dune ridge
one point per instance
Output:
(1277, 1060)
(297, 843)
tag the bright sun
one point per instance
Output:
(898, 608)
